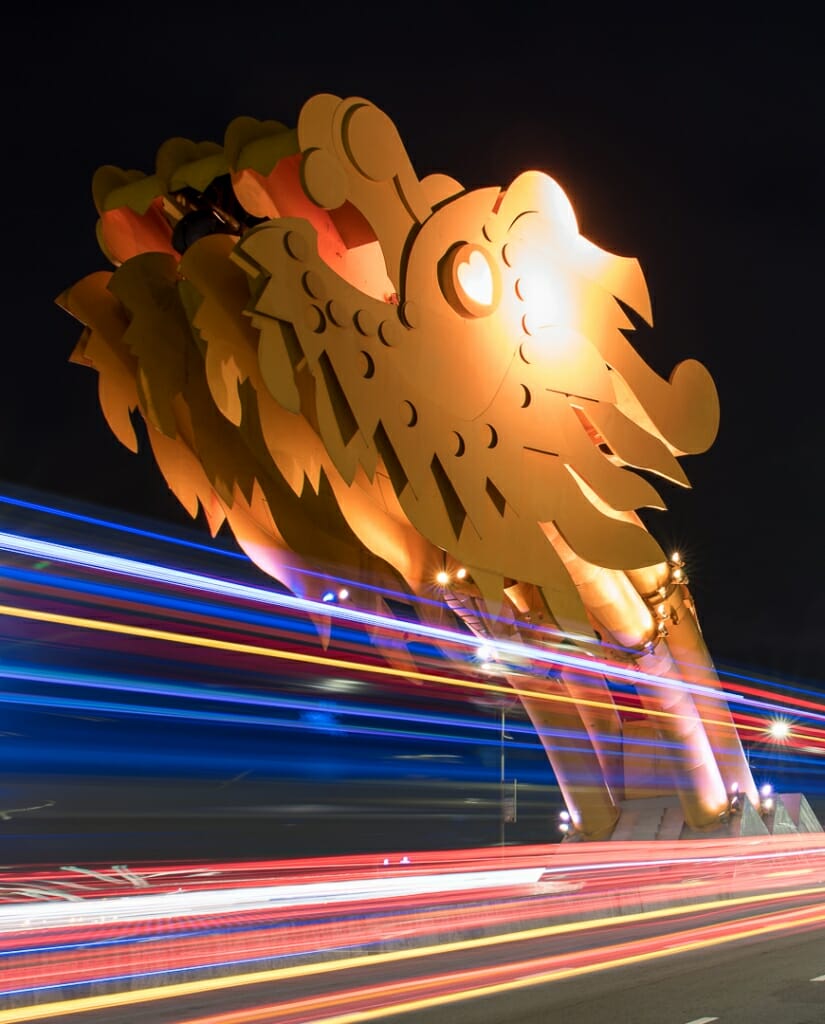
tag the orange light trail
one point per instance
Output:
(175, 990)
(181, 945)
(325, 661)
(541, 971)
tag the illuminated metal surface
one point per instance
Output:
(423, 388)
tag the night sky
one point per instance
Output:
(700, 154)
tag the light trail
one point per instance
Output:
(99, 561)
(169, 934)
(327, 662)
(207, 614)
(215, 621)
(220, 552)
(459, 986)
(267, 702)
(278, 896)
(149, 572)
(676, 944)
(284, 932)
(341, 664)
(108, 524)
(742, 864)
(233, 718)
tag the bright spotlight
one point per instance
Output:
(486, 652)
(779, 729)
(766, 790)
(442, 578)
(343, 594)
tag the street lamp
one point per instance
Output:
(779, 729)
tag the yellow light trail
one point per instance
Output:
(606, 962)
(234, 646)
(87, 1004)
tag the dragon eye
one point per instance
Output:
(469, 280)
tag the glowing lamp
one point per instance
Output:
(486, 652)
(470, 280)
(442, 578)
(779, 729)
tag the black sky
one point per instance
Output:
(698, 151)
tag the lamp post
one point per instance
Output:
(488, 659)
(502, 814)
(777, 732)
(508, 807)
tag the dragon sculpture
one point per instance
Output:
(355, 367)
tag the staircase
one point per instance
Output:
(660, 817)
